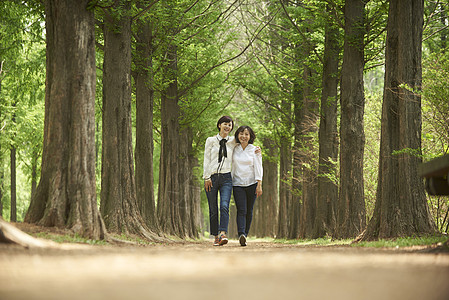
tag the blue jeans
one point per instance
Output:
(222, 183)
(244, 197)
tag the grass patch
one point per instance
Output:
(314, 242)
(403, 242)
(131, 238)
(382, 243)
(67, 238)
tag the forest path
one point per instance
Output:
(261, 270)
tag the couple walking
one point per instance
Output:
(231, 163)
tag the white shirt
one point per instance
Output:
(246, 166)
(210, 164)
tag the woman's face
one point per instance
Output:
(244, 136)
(225, 128)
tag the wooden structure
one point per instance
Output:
(436, 174)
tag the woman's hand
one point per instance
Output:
(208, 185)
(259, 189)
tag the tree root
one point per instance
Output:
(11, 234)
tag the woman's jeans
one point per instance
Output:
(244, 197)
(222, 183)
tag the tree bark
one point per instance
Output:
(195, 187)
(308, 152)
(2, 176)
(232, 229)
(178, 200)
(2, 171)
(66, 194)
(295, 204)
(285, 182)
(265, 208)
(144, 125)
(401, 208)
(328, 138)
(34, 162)
(13, 207)
(351, 207)
(118, 191)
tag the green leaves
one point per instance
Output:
(22, 92)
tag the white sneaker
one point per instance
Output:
(242, 240)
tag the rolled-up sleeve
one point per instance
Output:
(206, 162)
(258, 170)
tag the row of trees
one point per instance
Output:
(328, 175)
(123, 74)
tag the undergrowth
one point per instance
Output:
(381, 243)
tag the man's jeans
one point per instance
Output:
(222, 183)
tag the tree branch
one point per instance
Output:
(302, 34)
(227, 60)
(144, 10)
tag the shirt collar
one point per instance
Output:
(219, 137)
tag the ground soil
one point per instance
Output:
(197, 270)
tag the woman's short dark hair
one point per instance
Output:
(252, 135)
(225, 119)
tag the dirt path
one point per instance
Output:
(201, 271)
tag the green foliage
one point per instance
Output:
(22, 53)
(332, 175)
(435, 26)
(372, 122)
(435, 97)
(376, 15)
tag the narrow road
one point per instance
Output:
(201, 271)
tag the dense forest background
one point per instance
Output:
(312, 78)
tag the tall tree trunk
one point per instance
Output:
(1, 189)
(194, 222)
(328, 138)
(2, 172)
(285, 170)
(66, 194)
(401, 208)
(177, 200)
(267, 204)
(189, 185)
(295, 204)
(308, 155)
(13, 207)
(232, 229)
(34, 161)
(2, 177)
(13, 172)
(171, 193)
(144, 125)
(351, 206)
(118, 192)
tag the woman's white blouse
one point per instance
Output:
(210, 164)
(246, 166)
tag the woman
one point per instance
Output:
(217, 177)
(247, 175)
